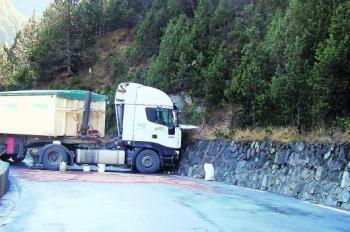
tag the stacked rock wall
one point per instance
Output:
(316, 172)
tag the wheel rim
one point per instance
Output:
(54, 158)
(147, 161)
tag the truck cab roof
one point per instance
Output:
(137, 94)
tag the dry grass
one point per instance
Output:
(283, 134)
(114, 42)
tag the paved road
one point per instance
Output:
(76, 201)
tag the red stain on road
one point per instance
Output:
(108, 177)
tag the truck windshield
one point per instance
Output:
(161, 116)
(167, 117)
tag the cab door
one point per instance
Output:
(162, 126)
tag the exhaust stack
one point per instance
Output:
(86, 116)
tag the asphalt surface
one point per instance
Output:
(76, 201)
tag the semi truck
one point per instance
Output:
(54, 126)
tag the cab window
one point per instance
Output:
(160, 116)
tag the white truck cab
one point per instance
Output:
(147, 120)
(146, 115)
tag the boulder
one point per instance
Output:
(327, 155)
(264, 183)
(282, 157)
(344, 196)
(345, 182)
(318, 174)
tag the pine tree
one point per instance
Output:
(174, 68)
(25, 40)
(6, 68)
(59, 46)
(215, 77)
(149, 31)
(250, 84)
(71, 34)
(330, 80)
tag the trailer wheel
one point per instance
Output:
(147, 161)
(5, 157)
(18, 160)
(53, 155)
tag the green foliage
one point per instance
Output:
(250, 84)
(91, 19)
(268, 130)
(192, 115)
(331, 71)
(137, 75)
(23, 78)
(120, 67)
(100, 17)
(68, 29)
(343, 123)
(6, 68)
(173, 68)
(220, 133)
(121, 13)
(151, 28)
(149, 32)
(48, 55)
(277, 72)
(215, 77)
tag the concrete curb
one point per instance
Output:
(4, 178)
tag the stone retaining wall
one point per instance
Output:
(4, 172)
(314, 172)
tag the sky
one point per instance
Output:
(13, 14)
(26, 7)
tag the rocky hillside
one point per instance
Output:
(11, 21)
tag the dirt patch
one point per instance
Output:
(108, 177)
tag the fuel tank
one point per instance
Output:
(113, 157)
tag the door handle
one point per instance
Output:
(154, 136)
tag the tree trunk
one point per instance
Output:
(298, 120)
(69, 38)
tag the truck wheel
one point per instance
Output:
(53, 155)
(147, 161)
(5, 157)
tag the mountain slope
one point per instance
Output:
(11, 21)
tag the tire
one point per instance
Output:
(52, 156)
(5, 157)
(147, 161)
(18, 160)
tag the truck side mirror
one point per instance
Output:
(178, 116)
